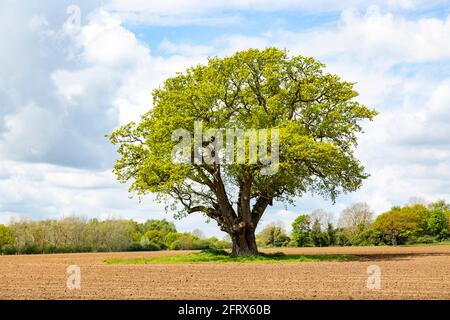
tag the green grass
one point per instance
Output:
(220, 256)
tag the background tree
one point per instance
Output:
(6, 237)
(358, 216)
(397, 222)
(330, 235)
(73, 234)
(317, 236)
(161, 225)
(301, 231)
(438, 224)
(353, 221)
(315, 112)
(422, 214)
(273, 235)
(324, 218)
(439, 221)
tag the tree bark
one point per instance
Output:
(394, 238)
(244, 241)
(240, 224)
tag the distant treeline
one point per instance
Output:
(81, 235)
(414, 223)
(410, 224)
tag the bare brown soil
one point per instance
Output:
(406, 273)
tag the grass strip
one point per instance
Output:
(221, 256)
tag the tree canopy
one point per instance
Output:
(399, 221)
(301, 230)
(314, 112)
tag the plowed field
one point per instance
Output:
(406, 273)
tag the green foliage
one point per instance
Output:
(224, 93)
(437, 224)
(317, 236)
(316, 114)
(6, 239)
(155, 236)
(170, 238)
(148, 244)
(301, 231)
(272, 236)
(410, 224)
(220, 256)
(81, 235)
(399, 223)
(422, 214)
(343, 238)
(426, 239)
(160, 225)
(330, 235)
(184, 242)
(218, 244)
(8, 249)
(70, 235)
(369, 237)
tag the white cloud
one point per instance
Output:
(386, 37)
(73, 86)
(407, 150)
(113, 56)
(104, 41)
(29, 133)
(213, 12)
(103, 78)
(363, 48)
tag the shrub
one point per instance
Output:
(148, 245)
(218, 244)
(170, 238)
(370, 237)
(156, 237)
(343, 238)
(184, 242)
(8, 249)
(423, 239)
(272, 236)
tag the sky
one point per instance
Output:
(73, 71)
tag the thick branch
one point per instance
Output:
(222, 197)
(244, 211)
(259, 208)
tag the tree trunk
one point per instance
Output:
(244, 242)
(394, 239)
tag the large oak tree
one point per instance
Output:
(316, 115)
